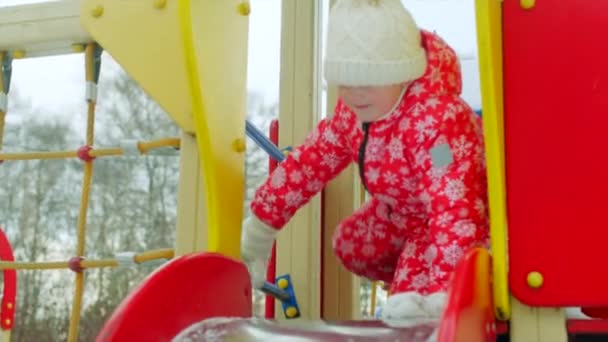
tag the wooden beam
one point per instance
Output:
(536, 324)
(42, 29)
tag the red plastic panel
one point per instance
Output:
(186, 290)
(469, 313)
(556, 131)
(587, 326)
(595, 312)
(271, 271)
(9, 292)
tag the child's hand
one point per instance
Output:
(256, 245)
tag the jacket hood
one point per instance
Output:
(442, 76)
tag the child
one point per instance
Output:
(419, 149)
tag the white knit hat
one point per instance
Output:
(372, 43)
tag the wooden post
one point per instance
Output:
(341, 197)
(191, 230)
(298, 244)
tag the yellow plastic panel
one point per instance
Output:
(191, 57)
(145, 41)
(489, 36)
(214, 38)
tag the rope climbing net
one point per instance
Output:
(87, 154)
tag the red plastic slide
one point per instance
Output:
(184, 291)
(469, 315)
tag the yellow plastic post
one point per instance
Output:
(191, 57)
(489, 36)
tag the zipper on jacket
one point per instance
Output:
(361, 156)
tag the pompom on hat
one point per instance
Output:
(372, 43)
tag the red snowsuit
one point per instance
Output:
(424, 168)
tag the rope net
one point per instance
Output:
(87, 154)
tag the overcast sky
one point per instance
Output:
(57, 82)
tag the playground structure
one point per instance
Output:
(548, 188)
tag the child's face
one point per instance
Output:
(370, 103)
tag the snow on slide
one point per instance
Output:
(254, 329)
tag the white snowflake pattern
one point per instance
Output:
(345, 247)
(379, 233)
(341, 123)
(381, 211)
(331, 160)
(416, 89)
(454, 190)
(383, 126)
(464, 167)
(432, 102)
(442, 238)
(444, 219)
(436, 174)
(402, 273)
(296, 176)
(394, 192)
(410, 248)
(452, 81)
(308, 171)
(404, 124)
(464, 228)
(372, 175)
(480, 207)
(462, 147)
(277, 180)
(368, 250)
(295, 154)
(421, 157)
(391, 201)
(294, 198)
(435, 76)
(359, 265)
(267, 207)
(437, 273)
(425, 128)
(314, 186)
(417, 109)
(463, 212)
(449, 113)
(420, 281)
(390, 178)
(409, 184)
(425, 198)
(374, 149)
(330, 137)
(395, 149)
(430, 254)
(311, 139)
(404, 170)
(452, 254)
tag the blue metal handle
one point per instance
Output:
(264, 142)
(275, 292)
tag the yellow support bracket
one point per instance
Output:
(190, 56)
(489, 37)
